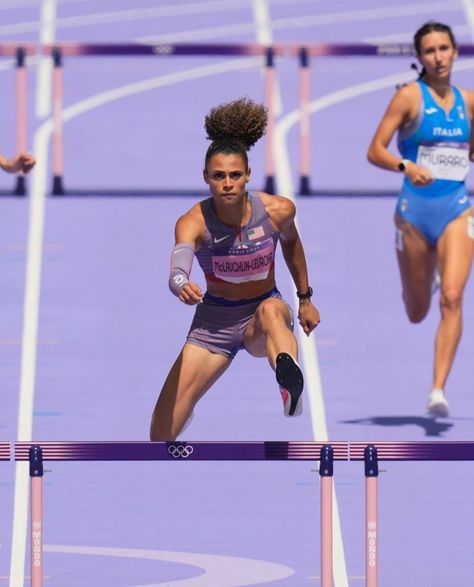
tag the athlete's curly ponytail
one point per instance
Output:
(235, 127)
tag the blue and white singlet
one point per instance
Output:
(438, 141)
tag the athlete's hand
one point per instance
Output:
(190, 294)
(308, 316)
(417, 175)
(21, 162)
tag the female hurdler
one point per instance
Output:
(234, 235)
(434, 222)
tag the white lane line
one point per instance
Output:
(309, 353)
(45, 63)
(9, 4)
(29, 347)
(213, 7)
(307, 344)
(263, 31)
(224, 571)
(468, 6)
(30, 326)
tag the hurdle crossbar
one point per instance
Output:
(180, 450)
(245, 451)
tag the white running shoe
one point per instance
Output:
(437, 404)
(290, 379)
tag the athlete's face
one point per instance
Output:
(227, 176)
(437, 54)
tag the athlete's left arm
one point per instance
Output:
(282, 213)
(469, 100)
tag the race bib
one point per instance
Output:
(249, 263)
(445, 160)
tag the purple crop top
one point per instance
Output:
(226, 257)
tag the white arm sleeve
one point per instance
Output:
(180, 267)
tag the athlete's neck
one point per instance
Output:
(234, 214)
(442, 88)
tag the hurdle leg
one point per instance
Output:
(304, 122)
(269, 139)
(58, 188)
(20, 189)
(371, 524)
(326, 471)
(36, 497)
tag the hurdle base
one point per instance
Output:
(58, 188)
(305, 189)
(20, 189)
(269, 185)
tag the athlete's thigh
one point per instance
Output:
(195, 370)
(255, 340)
(455, 251)
(416, 259)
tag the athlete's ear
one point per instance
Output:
(249, 172)
(205, 175)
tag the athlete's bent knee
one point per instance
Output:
(451, 300)
(416, 312)
(267, 312)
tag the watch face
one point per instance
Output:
(401, 166)
(307, 294)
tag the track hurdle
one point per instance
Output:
(19, 53)
(326, 454)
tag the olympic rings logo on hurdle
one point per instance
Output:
(180, 451)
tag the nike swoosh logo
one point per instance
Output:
(463, 200)
(431, 110)
(218, 240)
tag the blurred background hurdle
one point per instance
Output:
(304, 55)
(19, 53)
(58, 52)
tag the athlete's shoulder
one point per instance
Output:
(280, 206)
(468, 96)
(192, 221)
(408, 93)
(280, 209)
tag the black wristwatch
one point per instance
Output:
(306, 295)
(402, 166)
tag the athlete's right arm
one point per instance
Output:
(188, 231)
(401, 110)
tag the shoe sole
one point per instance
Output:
(290, 377)
(438, 411)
